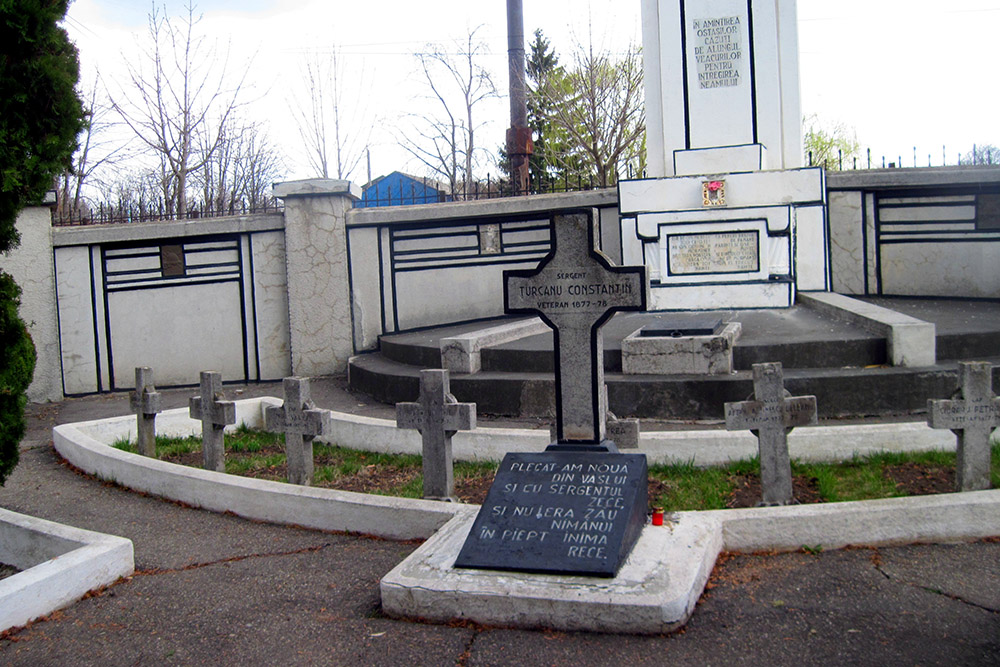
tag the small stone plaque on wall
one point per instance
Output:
(489, 239)
(713, 252)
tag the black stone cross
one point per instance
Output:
(215, 414)
(300, 421)
(770, 417)
(972, 418)
(438, 416)
(575, 290)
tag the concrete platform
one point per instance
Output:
(846, 366)
(654, 592)
(59, 564)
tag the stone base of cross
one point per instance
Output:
(438, 416)
(300, 421)
(971, 414)
(771, 416)
(144, 401)
(215, 414)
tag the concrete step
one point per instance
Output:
(840, 392)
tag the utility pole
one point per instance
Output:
(519, 146)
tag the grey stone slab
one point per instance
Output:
(645, 353)
(910, 342)
(215, 414)
(971, 415)
(623, 432)
(301, 422)
(145, 402)
(575, 290)
(654, 592)
(438, 416)
(770, 417)
(462, 353)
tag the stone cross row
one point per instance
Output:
(770, 417)
(215, 414)
(301, 422)
(972, 415)
(437, 416)
(145, 402)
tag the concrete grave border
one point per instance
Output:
(59, 564)
(657, 604)
(87, 446)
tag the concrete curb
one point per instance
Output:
(86, 446)
(910, 342)
(702, 448)
(945, 517)
(59, 563)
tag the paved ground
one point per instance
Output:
(216, 589)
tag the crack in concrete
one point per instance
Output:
(876, 559)
(463, 659)
(232, 559)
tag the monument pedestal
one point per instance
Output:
(737, 240)
(654, 591)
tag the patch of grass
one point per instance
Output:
(686, 487)
(126, 445)
(176, 446)
(412, 489)
(472, 469)
(678, 487)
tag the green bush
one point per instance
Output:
(40, 116)
(17, 365)
(40, 113)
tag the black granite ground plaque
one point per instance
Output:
(558, 512)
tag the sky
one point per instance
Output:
(910, 77)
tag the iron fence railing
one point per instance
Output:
(108, 214)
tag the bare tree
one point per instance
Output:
(259, 166)
(241, 170)
(178, 100)
(95, 151)
(326, 124)
(445, 143)
(597, 108)
(981, 154)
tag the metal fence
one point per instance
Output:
(430, 192)
(113, 214)
(984, 155)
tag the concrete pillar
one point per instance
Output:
(319, 300)
(32, 266)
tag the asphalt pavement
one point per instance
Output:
(217, 589)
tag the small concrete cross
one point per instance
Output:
(144, 401)
(971, 414)
(215, 414)
(575, 290)
(770, 417)
(300, 421)
(438, 416)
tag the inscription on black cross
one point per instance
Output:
(575, 291)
